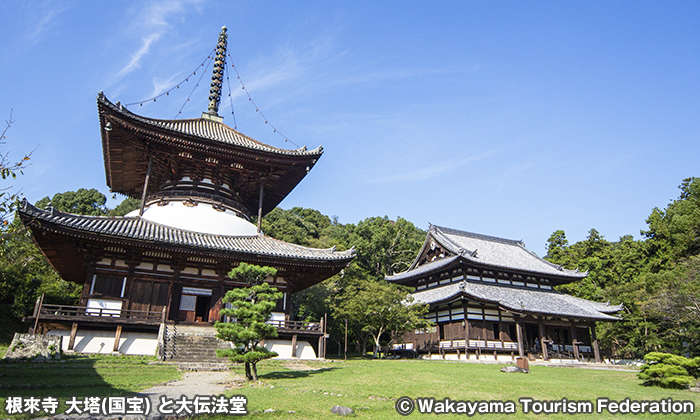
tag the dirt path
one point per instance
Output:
(191, 385)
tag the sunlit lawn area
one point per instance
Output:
(370, 387)
(308, 390)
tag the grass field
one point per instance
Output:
(308, 390)
(81, 376)
(371, 387)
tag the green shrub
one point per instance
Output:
(669, 370)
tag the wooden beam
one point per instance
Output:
(145, 185)
(519, 331)
(594, 342)
(574, 341)
(260, 204)
(466, 330)
(73, 333)
(117, 336)
(294, 345)
(37, 311)
(543, 343)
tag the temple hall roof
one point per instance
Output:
(521, 300)
(487, 251)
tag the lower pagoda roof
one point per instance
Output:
(67, 241)
(521, 300)
(139, 229)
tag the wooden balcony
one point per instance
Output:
(97, 315)
(298, 327)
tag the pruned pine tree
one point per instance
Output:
(250, 310)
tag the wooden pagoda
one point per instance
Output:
(200, 182)
(491, 298)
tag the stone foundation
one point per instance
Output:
(34, 346)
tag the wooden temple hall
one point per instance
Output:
(492, 299)
(159, 273)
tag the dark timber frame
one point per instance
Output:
(490, 296)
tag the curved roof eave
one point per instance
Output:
(519, 300)
(206, 131)
(138, 229)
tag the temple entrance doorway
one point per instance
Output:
(201, 312)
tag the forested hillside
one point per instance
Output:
(656, 278)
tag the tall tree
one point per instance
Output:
(385, 247)
(25, 274)
(126, 206)
(250, 309)
(379, 309)
(9, 168)
(674, 232)
(87, 202)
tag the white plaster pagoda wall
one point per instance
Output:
(96, 341)
(284, 349)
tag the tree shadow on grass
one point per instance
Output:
(296, 374)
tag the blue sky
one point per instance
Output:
(511, 119)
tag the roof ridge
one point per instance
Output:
(451, 231)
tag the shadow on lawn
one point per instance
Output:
(72, 377)
(295, 374)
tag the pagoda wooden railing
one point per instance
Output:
(100, 315)
(299, 327)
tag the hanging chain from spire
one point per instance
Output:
(177, 86)
(250, 98)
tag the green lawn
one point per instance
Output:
(81, 376)
(371, 388)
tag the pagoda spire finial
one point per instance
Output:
(217, 75)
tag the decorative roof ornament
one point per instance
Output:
(217, 77)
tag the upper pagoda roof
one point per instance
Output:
(482, 250)
(201, 144)
(204, 129)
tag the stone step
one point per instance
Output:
(203, 366)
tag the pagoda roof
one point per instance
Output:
(135, 229)
(205, 129)
(521, 300)
(129, 139)
(485, 251)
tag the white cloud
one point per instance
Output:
(428, 172)
(46, 15)
(152, 22)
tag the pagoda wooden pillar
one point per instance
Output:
(145, 185)
(294, 345)
(117, 336)
(260, 204)
(73, 333)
